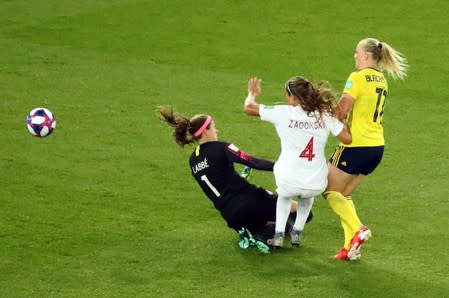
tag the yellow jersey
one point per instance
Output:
(368, 87)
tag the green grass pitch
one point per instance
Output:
(106, 207)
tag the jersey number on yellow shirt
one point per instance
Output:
(378, 113)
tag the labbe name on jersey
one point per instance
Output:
(200, 166)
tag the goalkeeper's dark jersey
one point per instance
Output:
(212, 165)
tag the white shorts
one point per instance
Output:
(289, 191)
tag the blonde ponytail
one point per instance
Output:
(387, 58)
(393, 62)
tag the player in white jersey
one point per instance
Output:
(303, 126)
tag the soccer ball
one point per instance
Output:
(41, 122)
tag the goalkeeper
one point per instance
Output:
(246, 208)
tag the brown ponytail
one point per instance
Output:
(184, 127)
(313, 98)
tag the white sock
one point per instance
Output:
(283, 206)
(304, 207)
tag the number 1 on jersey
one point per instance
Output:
(214, 190)
(308, 151)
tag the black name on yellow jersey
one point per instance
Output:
(374, 78)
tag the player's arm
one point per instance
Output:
(250, 106)
(344, 106)
(340, 130)
(234, 154)
(345, 136)
(251, 109)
